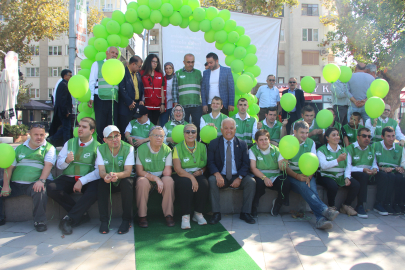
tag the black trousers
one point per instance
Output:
(281, 184)
(126, 186)
(223, 110)
(293, 116)
(195, 113)
(61, 188)
(123, 121)
(105, 113)
(332, 188)
(154, 116)
(399, 187)
(186, 196)
(380, 179)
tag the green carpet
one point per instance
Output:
(201, 247)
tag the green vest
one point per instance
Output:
(189, 84)
(244, 129)
(170, 128)
(352, 133)
(380, 126)
(140, 131)
(153, 163)
(315, 137)
(275, 131)
(304, 148)
(106, 91)
(361, 158)
(267, 164)
(217, 122)
(388, 158)
(85, 157)
(192, 162)
(30, 163)
(337, 172)
(114, 164)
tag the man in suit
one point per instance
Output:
(294, 115)
(130, 92)
(228, 163)
(62, 111)
(217, 82)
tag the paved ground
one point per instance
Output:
(273, 242)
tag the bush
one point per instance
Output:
(16, 130)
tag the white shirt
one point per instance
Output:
(50, 156)
(398, 133)
(129, 127)
(275, 122)
(254, 124)
(54, 91)
(268, 97)
(323, 163)
(350, 168)
(202, 121)
(130, 160)
(169, 95)
(61, 164)
(403, 158)
(265, 152)
(93, 80)
(214, 85)
(168, 162)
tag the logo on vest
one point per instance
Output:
(186, 159)
(148, 160)
(182, 76)
(259, 158)
(120, 162)
(164, 159)
(378, 153)
(356, 157)
(350, 134)
(370, 157)
(134, 127)
(329, 157)
(378, 126)
(21, 156)
(105, 161)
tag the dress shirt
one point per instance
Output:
(398, 133)
(254, 124)
(202, 121)
(129, 127)
(268, 97)
(93, 80)
(234, 170)
(358, 85)
(349, 168)
(323, 163)
(61, 164)
(265, 152)
(130, 160)
(135, 82)
(293, 92)
(275, 122)
(214, 85)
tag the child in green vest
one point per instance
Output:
(276, 129)
(137, 130)
(352, 128)
(177, 118)
(214, 118)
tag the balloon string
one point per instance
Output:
(74, 124)
(112, 151)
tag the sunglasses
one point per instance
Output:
(292, 82)
(190, 131)
(365, 136)
(272, 80)
(37, 126)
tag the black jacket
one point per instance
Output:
(126, 92)
(299, 95)
(63, 104)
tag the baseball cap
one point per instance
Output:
(109, 129)
(140, 111)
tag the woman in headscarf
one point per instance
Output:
(177, 118)
(171, 80)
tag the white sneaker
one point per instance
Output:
(198, 217)
(185, 222)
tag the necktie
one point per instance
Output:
(228, 161)
(82, 144)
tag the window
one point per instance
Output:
(281, 14)
(34, 50)
(280, 80)
(310, 10)
(34, 93)
(310, 57)
(282, 35)
(281, 58)
(54, 71)
(50, 93)
(331, 58)
(55, 50)
(33, 72)
(309, 34)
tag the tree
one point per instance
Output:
(23, 96)
(371, 31)
(94, 16)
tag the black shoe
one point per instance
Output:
(216, 217)
(40, 226)
(84, 219)
(124, 228)
(276, 208)
(104, 227)
(389, 208)
(2, 221)
(247, 217)
(65, 225)
(254, 212)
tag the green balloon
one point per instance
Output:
(379, 88)
(194, 26)
(255, 70)
(133, 5)
(185, 11)
(249, 74)
(369, 95)
(175, 19)
(86, 63)
(76, 132)
(100, 56)
(143, 2)
(81, 115)
(251, 49)
(235, 76)
(118, 16)
(224, 14)
(210, 36)
(220, 36)
(101, 45)
(138, 27)
(155, 4)
(250, 59)
(233, 37)
(199, 14)
(131, 15)
(205, 25)
(100, 31)
(184, 23)
(249, 97)
(83, 107)
(239, 52)
(78, 86)
(256, 100)
(218, 24)
(254, 82)
(211, 13)
(289, 146)
(90, 52)
(228, 48)
(124, 42)
(208, 133)
(331, 73)
(165, 22)
(308, 84)
(113, 27)
(374, 107)
(244, 83)
(86, 96)
(143, 12)
(165, 1)
(219, 45)
(178, 133)
(176, 4)
(237, 66)
(234, 112)
(229, 25)
(324, 118)
(85, 73)
(127, 30)
(308, 163)
(345, 74)
(114, 40)
(193, 4)
(148, 24)
(105, 21)
(7, 156)
(288, 102)
(240, 30)
(243, 41)
(113, 71)
(167, 10)
(253, 109)
(91, 41)
(156, 16)
(229, 59)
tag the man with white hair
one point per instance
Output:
(372, 70)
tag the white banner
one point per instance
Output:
(81, 28)
(263, 31)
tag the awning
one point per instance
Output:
(307, 96)
(36, 105)
(402, 96)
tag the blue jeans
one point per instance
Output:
(310, 195)
(64, 131)
(361, 110)
(164, 117)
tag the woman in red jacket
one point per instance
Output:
(153, 82)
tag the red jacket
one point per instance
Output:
(152, 94)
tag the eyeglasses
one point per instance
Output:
(178, 110)
(37, 126)
(114, 137)
(272, 80)
(157, 136)
(365, 136)
(190, 131)
(292, 82)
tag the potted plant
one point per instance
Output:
(18, 132)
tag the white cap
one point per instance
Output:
(109, 129)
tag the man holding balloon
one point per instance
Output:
(292, 103)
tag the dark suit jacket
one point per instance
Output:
(216, 156)
(63, 104)
(126, 92)
(226, 86)
(299, 95)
